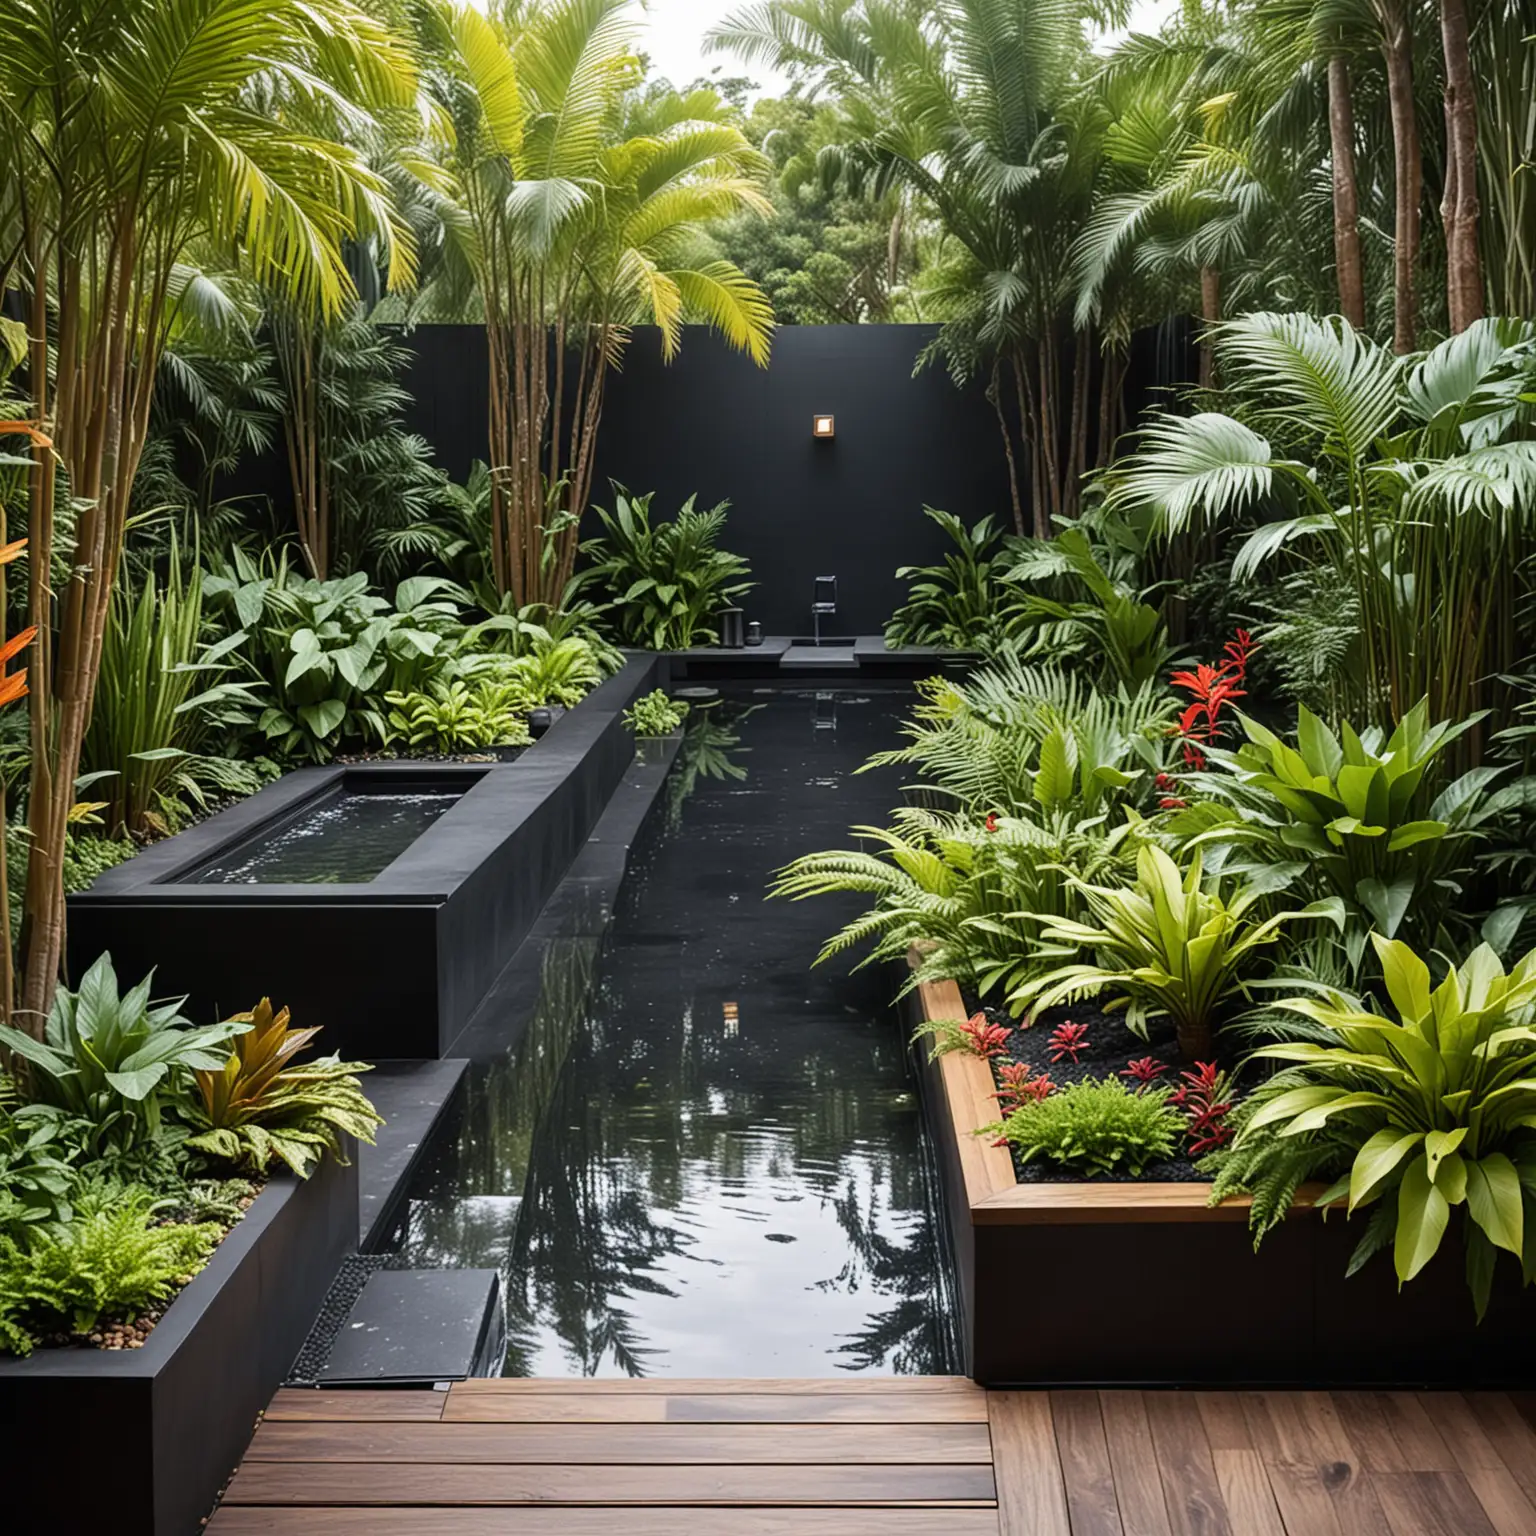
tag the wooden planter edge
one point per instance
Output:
(994, 1194)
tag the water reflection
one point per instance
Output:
(702, 1159)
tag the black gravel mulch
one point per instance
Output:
(1108, 1049)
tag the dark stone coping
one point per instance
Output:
(139, 1442)
(411, 1096)
(395, 967)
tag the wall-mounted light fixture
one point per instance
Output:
(822, 426)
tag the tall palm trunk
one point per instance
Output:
(1346, 193)
(1408, 171)
(1210, 315)
(1459, 208)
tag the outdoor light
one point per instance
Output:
(821, 426)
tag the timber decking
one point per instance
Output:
(891, 1456)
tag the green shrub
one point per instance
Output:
(666, 581)
(1097, 1126)
(260, 1106)
(459, 716)
(112, 1260)
(37, 1178)
(1414, 1117)
(114, 1061)
(655, 714)
(1165, 946)
(1365, 817)
(963, 603)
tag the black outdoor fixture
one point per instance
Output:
(823, 602)
(733, 632)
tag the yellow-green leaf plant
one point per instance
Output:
(260, 1106)
(1167, 946)
(1415, 1115)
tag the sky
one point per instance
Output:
(675, 28)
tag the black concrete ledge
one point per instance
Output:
(394, 967)
(139, 1442)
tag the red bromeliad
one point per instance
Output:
(984, 1037)
(1068, 1040)
(1017, 1085)
(1205, 1097)
(1144, 1071)
(1212, 688)
(991, 822)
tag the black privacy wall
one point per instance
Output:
(712, 423)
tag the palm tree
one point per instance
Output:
(964, 104)
(578, 205)
(136, 149)
(1411, 480)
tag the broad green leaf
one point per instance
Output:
(1494, 1201)
(1386, 901)
(1377, 1160)
(1422, 1215)
(1406, 976)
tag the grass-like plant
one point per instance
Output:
(1411, 1117)
(655, 714)
(666, 580)
(115, 1258)
(261, 1106)
(1166, 946)
(156, 679)
(1097, 1126)
(114, 1060)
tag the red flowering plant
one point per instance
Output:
(1205, 1096)
(981, 1035)
(1145, 1071)
(1211, 689)
(1068, 1041)
(1016, 1084)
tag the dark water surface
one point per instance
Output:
(703, 1158)
(349, 838)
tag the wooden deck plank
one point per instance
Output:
(601, 1444)
(1031, 1498)
(1430, 1504)
(367, 1483)
(1510, 1436)
(1089, 1478)
(1138, 1486)
(1191, 1493)
(1245, 1491)
(303, 1405)
(685, 1386)
(1509, 1511)
(1392, 1432)
(715, 1408)
(560, 1521)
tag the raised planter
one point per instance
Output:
(397, 965)
(1141, 1283)
(139, 1442)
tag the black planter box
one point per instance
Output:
(1142, 1284)
(396, 966)
(139, 1442)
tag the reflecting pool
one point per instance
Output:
(347, 838)
(703, 1157)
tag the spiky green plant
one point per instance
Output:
(261, 1106)
(1412, 1118)
(963, 602)
(1167, 946)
